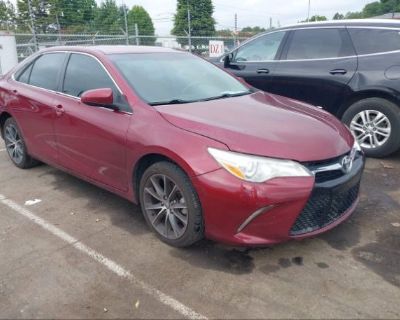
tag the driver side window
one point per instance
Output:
(262, 48)
(85, 73)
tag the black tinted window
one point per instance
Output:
(24, 76)
(85, 73)
(375, 40)
(319, 44)
(46, 69)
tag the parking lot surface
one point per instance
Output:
(76, 251)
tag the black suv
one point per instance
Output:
(349, 68)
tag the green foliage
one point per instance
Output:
(7, 15)
(375, 8)
(318, 18)
(338, 16)
(202, 21)
(254, 30)
(108, 18)
(40, 12)
(138, 15)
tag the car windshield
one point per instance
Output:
(173, 78)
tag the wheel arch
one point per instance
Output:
(3, 118)
(148, 159)
(383, 93)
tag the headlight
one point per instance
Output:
(257, 169)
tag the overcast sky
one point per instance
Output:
(250, 12)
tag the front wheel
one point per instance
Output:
(375, 122)
(170, 205)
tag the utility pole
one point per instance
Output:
(126, 25)
(136, 34)
(270, 23)
(236, 23)
(309, 7)
(32, 25)
(189, 27)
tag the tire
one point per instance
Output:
(177, 211)
(371, 137)
(21, 159)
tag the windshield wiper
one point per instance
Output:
(229, 95)
(172, 101)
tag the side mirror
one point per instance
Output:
(227, 60)
(103, 97)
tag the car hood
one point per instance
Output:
(266, 125)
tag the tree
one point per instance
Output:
(254, 30)
(7, 15)
(202, 21)
(108, 18)
(317, 18)
(338, 16)
(373, 9)
(73, 15)
(354, 15)
(40, 13)
(138, 15)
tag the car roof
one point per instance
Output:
(388, 23)
(113, 49)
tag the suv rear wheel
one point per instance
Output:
(375, 122)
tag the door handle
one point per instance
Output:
(338, 71)
(59, 110)
(265, 71)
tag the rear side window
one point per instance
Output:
(25, 75)
(319, 44)
(85, 73)
(46, 69)
(368, 41)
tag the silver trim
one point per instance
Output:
(254, 215)
(62, 93)
(331, 167)
(320, 59)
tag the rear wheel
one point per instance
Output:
(15, 145)
(375, 122)
(171, 205)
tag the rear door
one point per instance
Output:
(91, 140)
(255, 61)
(316, 66)
(32, 104)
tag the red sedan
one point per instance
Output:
(203, 153)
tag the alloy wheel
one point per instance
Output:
(165, 206)
(14, 144)
(371, 128)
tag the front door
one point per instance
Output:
(255, 61)
(91, 140)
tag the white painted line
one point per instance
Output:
(111, 265)
(1, 150)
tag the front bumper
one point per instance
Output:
(242, 213)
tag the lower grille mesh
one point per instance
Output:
(323, 208)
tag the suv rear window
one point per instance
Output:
(368, 41)
(319, 44)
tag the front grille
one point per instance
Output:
(324, 207)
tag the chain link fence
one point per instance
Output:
(28, 43)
